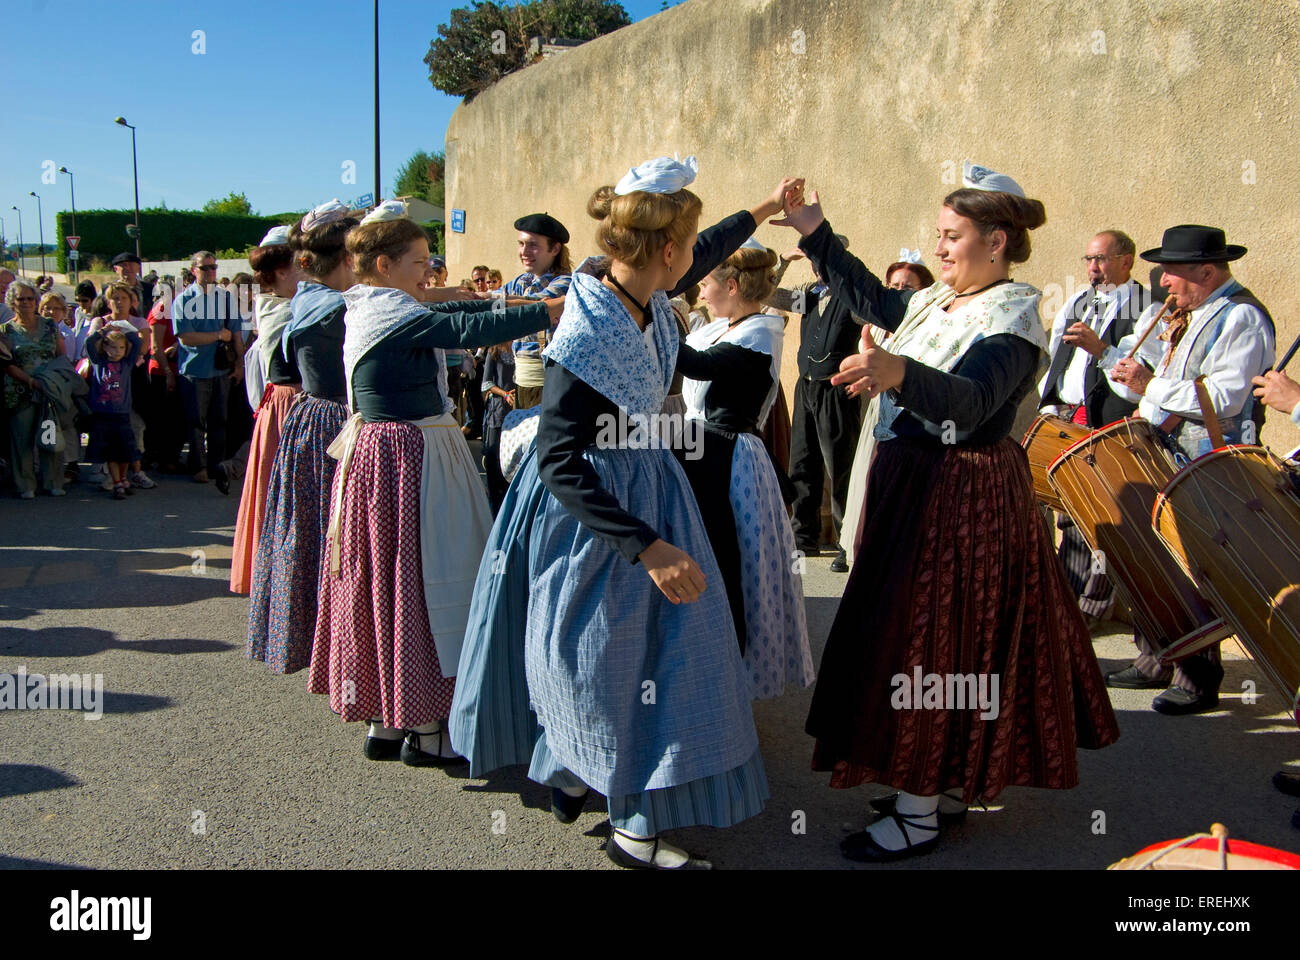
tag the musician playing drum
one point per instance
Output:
(1074, 388)
(1220, 332)
(1280, 392)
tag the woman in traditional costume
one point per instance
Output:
(733, 367)
(582, 607)
(277, 274)
(408, 516)
(287, 568)
(958, 662)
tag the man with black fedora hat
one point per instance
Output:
(127, 267)
(547, 269)
(1218, 333)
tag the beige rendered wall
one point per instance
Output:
(1136, 114)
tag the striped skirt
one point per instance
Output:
(492, 720)
(252, 500)
(957, 600)
(374, 652)
(287, 568)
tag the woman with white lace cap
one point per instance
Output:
(408, 514)
(622, 642)
(957, 577)
(277, 274)
(733, 369)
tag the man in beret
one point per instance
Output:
(547, 269)
(127, 268)
(1219, 333)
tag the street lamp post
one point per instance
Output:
(378, 193)
(20, 240)
(135, 176)
(41, 225)
(73, 186)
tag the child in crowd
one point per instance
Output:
(112, 353)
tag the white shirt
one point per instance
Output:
(1244, 348)
(1107, 307)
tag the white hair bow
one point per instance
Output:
(982, 178)
(325, 213)
(909, 256)
(275, 237)
(660, 175)
(388, 210)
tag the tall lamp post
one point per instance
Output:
(135, 176)
(378, 194)
(20, 240)
(41, 225)
(73, 186)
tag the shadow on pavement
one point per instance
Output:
(85, 641)
(17, 779)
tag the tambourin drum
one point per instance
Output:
(1109, 482)
(1232, 519)
(1046, 439)
(1202, 852)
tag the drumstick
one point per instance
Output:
(1169, 304)
(1286, 357)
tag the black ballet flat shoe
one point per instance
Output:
(413, 756)
(1177, 702)
(885, 806)
(1287, 782)
(566, 808)
(863, 848)
(841, 563)
(625, 859)
(377, 748)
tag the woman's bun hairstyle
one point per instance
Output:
(269, 260)
(321, 249)
(753, 270)
(993, 210)
(634, 227)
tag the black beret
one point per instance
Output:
(545, 225)
(124, 258)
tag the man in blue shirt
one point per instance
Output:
(547, 268)
(205, 319)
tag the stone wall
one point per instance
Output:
(1133, 114)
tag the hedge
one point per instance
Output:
(164, 234)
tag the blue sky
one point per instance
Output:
(281, 98)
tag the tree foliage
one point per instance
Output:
(234, 203)
(422, 176)
(484, 42)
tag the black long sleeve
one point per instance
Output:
(721, 362)
(570, 410)
(467, 323)
(713, 245)
(979, 397)
(851, 282)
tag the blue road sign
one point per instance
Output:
(457, 221)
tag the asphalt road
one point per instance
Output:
(195, 735)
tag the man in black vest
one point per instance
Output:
(825, 420)
(1076, 389)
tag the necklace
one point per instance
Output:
(644, 308)
(975, 293)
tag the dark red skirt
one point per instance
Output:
(957, 575)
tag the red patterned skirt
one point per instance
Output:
(373, 652)
(252, 500)
(957, 576)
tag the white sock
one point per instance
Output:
(381, 732)
(574, 791)
(919, 810)
(431, 741)
(667, 855)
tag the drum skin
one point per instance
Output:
(1203, 854)
(1046, 439)
(1232, 519)
(1109, 482)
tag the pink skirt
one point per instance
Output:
(373, 652)
(252, 501)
